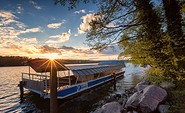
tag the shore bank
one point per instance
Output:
(147, 97)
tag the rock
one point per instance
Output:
(130, 91)
(132, 112)
(152, 96)
(112, 107)
(133, 101)
(141, 85)
(147, 100)
(110, 98)
(167, 85)
(163, 108)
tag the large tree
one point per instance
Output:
(149, 37)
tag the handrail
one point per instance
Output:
(36, 74)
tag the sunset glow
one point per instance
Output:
(40, 29)
(52, 56)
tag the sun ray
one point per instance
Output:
(61, 65)
(47, 61)
(53, 61)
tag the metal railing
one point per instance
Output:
(37, 79)
(43, 81)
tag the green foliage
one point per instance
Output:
(155, 75)
(155, 79)
(150, 35)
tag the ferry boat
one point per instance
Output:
(71, 79)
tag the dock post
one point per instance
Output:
(21, 90)
(114, 75)
(53, 89)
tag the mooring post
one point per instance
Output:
(21, 90)
(114, 75)
(53, 89)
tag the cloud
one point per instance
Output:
(55, 25)
(7, 17)
(80, 11)
(85, 25)
(35, 5)
(112, 50)
(19, 45)
(38, 7)
(32, 30)
(67, 48)
(49, 49)
(91, 11)
(6, 14)
(60, 38)
(29, 40)
(75, 34)
(75, 50)
(19, 9)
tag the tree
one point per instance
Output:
(176, 39)
(141, 31)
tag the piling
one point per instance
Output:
(53, 89)
(21, 90)
(114, 77)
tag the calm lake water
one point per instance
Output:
(10, 94)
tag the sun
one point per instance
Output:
(51, 56)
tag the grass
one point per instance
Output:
(177, 98)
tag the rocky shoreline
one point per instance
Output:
(143, 98)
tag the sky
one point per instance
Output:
(38, 29)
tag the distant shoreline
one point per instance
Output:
(10, 61)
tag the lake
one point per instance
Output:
(10, 94)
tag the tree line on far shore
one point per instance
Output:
(23, 61)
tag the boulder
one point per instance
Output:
(167, 85)
(147, 100)
(141, 85)
(112, 107)
(152, 96)
(133, 101)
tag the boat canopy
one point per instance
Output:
(43, 65)
(112, 62)
(93, 69)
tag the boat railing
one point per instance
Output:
(36, 77)
(42, 82)
(36, 81)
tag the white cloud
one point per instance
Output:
(80, 11)
(32, 30)
(19, 9)
(8, 32)
(29, 40)
(38, 7)
(91, 11)
(55, 25)
(85, 25)
(75, 34)
(60, 38)
(35, 5)
(7, 17)
(6, 14)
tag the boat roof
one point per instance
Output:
(43, 65)
(112, 62)
(83, 70)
